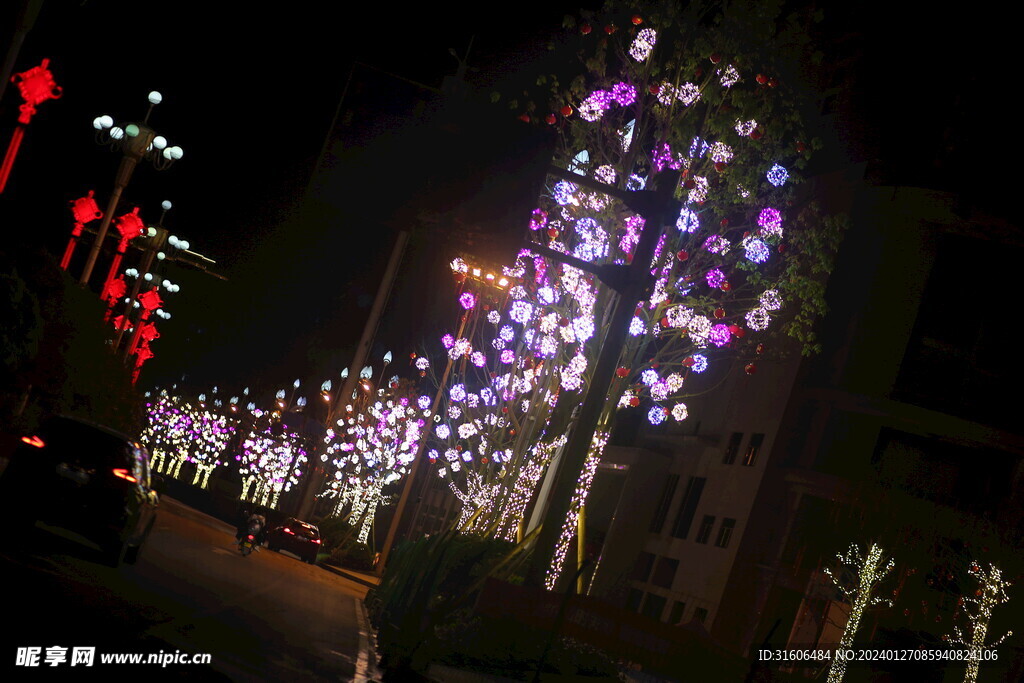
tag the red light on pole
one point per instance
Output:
(150, 301)
(115, 292)
(142, 354)
(129, 226)
(36, 86)
(85, 210)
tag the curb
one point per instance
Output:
(347, 575)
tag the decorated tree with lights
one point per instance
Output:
(487, 437)
(374, 449)
(857, 577)
(214, 425)
(991, 593)
(690, 96)
(272, 459)
(170, 427)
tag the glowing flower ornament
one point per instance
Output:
(643, 44)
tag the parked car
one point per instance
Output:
(86, 478)
(297, 537)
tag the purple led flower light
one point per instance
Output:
(715, 278)
(770, 221)
(719, 335)
(624, 94)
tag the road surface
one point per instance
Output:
(266, 617)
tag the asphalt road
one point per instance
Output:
(265, 617)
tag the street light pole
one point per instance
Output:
(136, 141)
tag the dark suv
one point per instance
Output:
(85, 478)
(298, 537)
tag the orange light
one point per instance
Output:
(33, 441)
(123, 474)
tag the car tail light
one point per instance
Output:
(288, 531)
(33, 441)
(317, 541)
(122, 473)
(251, 537)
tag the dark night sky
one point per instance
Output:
(250, 94)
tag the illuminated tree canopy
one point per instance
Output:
(692, 91)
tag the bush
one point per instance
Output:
(358, 556)
(507, 648)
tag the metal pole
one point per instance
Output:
(124, 174)
(653, 205)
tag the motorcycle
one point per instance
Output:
(248, 542)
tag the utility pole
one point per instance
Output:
(315, 477)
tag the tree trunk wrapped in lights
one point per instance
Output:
(991, 593)
(857, 579)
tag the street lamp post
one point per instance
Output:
(136, 141)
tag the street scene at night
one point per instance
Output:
(648, 342)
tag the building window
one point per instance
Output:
(633, 599)
(688, 507)
(676, 616)
(700, 614)
(654, 605)
(668, 492)
(733, 448)
(664, 572)
(642, 568)
(704, 533)
(725, 532)
(750, 455)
